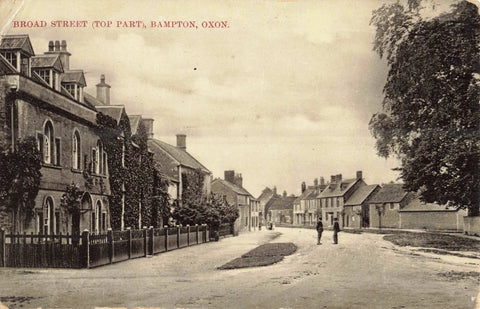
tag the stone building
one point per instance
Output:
(45, 100)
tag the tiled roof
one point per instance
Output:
(114, 111)
(280, 203)
(93, 100)
(266, 192)
(360, 195)
(179, 155)
(338, 189)
(233, 187)
(134, 122)
(15, 42)
(304, 195)
(47, 61)
(389, 193)
(74, 76)
(417, 205)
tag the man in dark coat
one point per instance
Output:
(319, 230)
(336, 229)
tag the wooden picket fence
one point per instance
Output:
(90, 250)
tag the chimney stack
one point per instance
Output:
(148, 123)
(229, 176)
(322, 181)
(182, 142)
(103, 91)
(275, 190)
(58, 48)
(284, 193)
(332, 178)
(315, 182)
(304, 187)
(359, 175)
(339, 178)
(238, 180)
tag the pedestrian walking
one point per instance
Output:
(319, 230)
(336, 229)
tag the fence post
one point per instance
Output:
(178, 236)
(145, 249)
(3, 262)
(196, 232)
(129, 242)
(151, 244)
(166, 237)
(86, 248)
(111, 247)
(188, 235)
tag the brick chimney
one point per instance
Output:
(339, 178)
(315, 182)
(103, 91)
(238, 180)
(284, 193)
(229, 176)
(275, 190)
(148, 123)
(60, 49)
(359, 175)
(332, 178)
(182, 142)
(304, 186)
(322, 181)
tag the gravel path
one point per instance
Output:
(362, 271)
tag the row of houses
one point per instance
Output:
(358, 205)
(42, 97)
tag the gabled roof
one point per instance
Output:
(114, 111)
(17, 42)
(360, 195)
(338, 189)
(416, 205)
(134, 122)
(233, 187)
(47, 61)
(280, 203)
(180, 156)
(389, 193)
(305, 194)
(266, 192)
(74, 76)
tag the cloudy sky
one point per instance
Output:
(283, 95)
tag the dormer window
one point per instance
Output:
(70, 89)
(11, 57)
(44, 74)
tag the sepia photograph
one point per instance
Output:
(283, 154)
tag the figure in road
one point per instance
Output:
(336, 229)
(319, 230)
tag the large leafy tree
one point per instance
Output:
(431, 110)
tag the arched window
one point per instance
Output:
(76, 151)
(98, 218)
(47, 216)
(48, 143)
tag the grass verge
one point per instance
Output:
(263, 255)
(433, 240)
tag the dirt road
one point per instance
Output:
(362, 271)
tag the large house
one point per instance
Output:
(333, 197)
(232, 190)
(44, 99)
(357, 210)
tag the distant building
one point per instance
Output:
(263, 199)
(385, 204)
(357, 210)
(231, 189)
(279, 209)
(306, 209)
(333, 197)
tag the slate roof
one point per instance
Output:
(389, 193)
(266, 192)
(416, 205)
(114, 111)
(179, 155)
(280, 203)
(134, 122)
(47, 61)
(93, 100)
(74, 76)
(361, 195)
(233, 187)
(16, 42)
(304, 195)
(338, 189)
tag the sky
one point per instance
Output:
(283, 95)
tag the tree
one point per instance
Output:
(431, 111)
(20, 180)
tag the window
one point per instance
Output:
(70, 88)
(98, 213)
(11, 57)
(47, 216)
(40, 143)
(48, 143)
(76, 151)
(391, 205)
(57, 151)
(104, 165)
(45, 75)
(95, 162)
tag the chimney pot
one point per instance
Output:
(103, 91)
(322, 181)
(332, 178)
(315, 182)
(64, 45)
(57, 45)
(284, 193)
(50, 46)
(359, 175)
(182, 141)
(339, 178)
